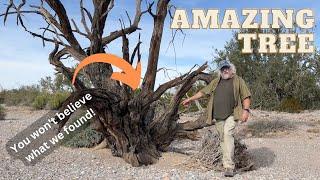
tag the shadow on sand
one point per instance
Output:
(262, 157)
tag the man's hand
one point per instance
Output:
(245, 116)
(186, 102)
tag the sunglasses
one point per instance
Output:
(225, 68)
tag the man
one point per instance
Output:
(229, 102)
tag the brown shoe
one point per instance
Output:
(229, 172)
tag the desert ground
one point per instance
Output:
(289, 154)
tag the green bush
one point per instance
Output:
(84, 136)
(2, 112)
(40, 101)
(57, 99)
(291, 105)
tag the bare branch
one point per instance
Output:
(187, 84)
(128, 18)
(165, 72)
(54, 59)
(88, 14)
(128, 30)
(125, 47)
(77, 30)
(173, 36)
(98, 24)
(139, 53)
(43, 34)
(135, 51)
(18, 10)
(57, 34)
(150, 10)
(150, 77)
(111, 5)
(175, 82)
(21, 12)
(7, 11)
(169, 11)
(65, 26)
(51, 20)
(45, 38)
(52, 31)
(83, 18)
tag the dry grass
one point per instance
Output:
(268, 128)
(313, 130)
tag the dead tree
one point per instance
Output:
(126, 118)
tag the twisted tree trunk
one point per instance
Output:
(126, 118)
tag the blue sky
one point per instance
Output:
(23, 59)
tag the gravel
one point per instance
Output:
(293, 156)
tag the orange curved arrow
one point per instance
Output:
(129, 76)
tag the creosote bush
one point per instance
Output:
(263, 128)
(41, 101)
(2, 113)
(84, 136)
(23, 96)
(290, 105)
(57, 99)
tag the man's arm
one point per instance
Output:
(246, 105)
(245, 96)
(199, 94)
(204, 91)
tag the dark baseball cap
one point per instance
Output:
(224, 63)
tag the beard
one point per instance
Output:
(226, 75)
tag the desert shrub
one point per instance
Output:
(262, 128)
(57, 99)
(24, 96)
(291, 105)
(41, 101)
(33, 95)
(2, 97)
(2, 112)
(84, 136)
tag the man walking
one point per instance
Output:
(229, 102)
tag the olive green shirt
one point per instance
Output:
(240, 92)
(223, 100)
